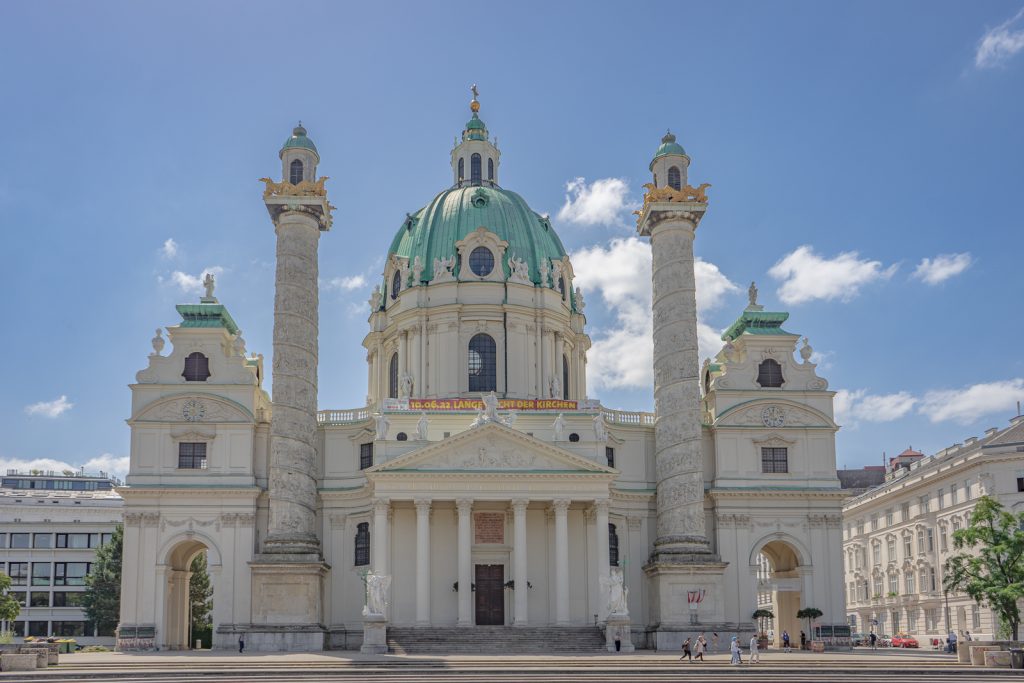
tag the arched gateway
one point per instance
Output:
(478, 461)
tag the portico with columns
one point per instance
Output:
(446, 514)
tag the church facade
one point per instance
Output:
(479, 485)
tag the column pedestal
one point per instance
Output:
(375, 635)
(617, 628)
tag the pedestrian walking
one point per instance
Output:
(714, 642)
(686, 651)
(699, 647)
(874, 640)
(785, 640)
(734, 647)
(803, 640)
(952, 641)
(967, 636)
(241, 643)
(755, 656)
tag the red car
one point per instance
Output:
(904, 640)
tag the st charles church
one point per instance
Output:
(479, 488)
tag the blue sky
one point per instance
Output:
(866, 162)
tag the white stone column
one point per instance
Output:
(422, 561)
(519, 561)
(561, 507)
(677, 427)
(380, 541)
(601, 546)
(403, 362)
(292, 483)
(465, 510)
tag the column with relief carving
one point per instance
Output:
(519, 560)
(601, 548)
(464, 508)
(422, 561)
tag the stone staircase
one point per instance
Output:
(495, 640)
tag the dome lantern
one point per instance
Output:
(299, 157)
(670, 163)
(474, 159)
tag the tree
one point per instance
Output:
(810, 614)
(761, 615)
(9, 607)
(102, 598)
(200, 593)
(990, 567)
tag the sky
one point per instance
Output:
(865, 160)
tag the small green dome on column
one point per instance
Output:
(299, 139)
(669, 146)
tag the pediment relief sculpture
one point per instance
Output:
(193, 409)
(774, 415)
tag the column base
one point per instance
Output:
(375, 635)
(686, 595)
(287, 603)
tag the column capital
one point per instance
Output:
(381, 505)
(464, 505)
(422, 505)
(560, 505)
(601, 506)
(519, 505)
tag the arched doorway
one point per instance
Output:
(780, 585)
(183, 592)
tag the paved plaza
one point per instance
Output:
(795, 667)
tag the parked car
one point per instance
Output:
(884, 641)
(860, 639)
(903, 640)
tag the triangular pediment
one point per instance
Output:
(492, 447)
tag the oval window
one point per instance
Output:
(396, 284)
(481, 261)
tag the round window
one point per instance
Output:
(574, 437)
(396, 284)
(481, 261)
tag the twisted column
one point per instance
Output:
(292, 486)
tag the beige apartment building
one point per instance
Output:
(897, 536)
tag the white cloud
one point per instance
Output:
(1001, 43)
(855, 406)
(170, 248)
(623, 355)
(51, 409)
(111, 464)
(942, 267)
(967, 404)
(347, 283)
(602, 202)
(193, 283)
(806, 276)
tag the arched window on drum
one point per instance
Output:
(482, 366)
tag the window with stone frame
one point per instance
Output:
(295, 172)
(894, 583)
(490, 170)
(876, 553)
(475, 171)
(922, 580)
(393, 376)
(197, 367)
(362, 547)
(396, 284)
(890, 548)
(904, 512)
(769, 373)
(930, 539)
(462, 170)
(943, 539)
(609, 455)
(876, 587)
(565, 378)
(774, 460)
(191, 455)
(365, 456)
(482, 366)
(952, 494)
(674, 178)
(908, 549)
(613, 546)
(920, 542)
(888, 517)
(922, 503)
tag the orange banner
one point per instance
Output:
(503, 404)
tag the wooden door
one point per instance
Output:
(490, 595)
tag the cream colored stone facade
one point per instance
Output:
(897, 537)
(510, 513)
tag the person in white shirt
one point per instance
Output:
(755, 658)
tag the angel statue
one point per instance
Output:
(615, 590)
(377, 586)
(559, 427)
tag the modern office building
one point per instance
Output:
(50, 528)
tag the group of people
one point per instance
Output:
(695, 649)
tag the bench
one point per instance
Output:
(19, 662)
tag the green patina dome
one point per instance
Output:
(453, 214)
(668, 146)
(299, 139)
